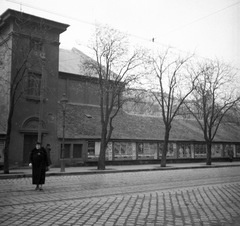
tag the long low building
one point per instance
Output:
(139, 138)
(38, 113)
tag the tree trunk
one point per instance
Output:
(102, 154)
(165, 149)
(209, 153)
(8, 137)
(6, 151)
(6, 160)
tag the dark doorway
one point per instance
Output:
(29, 143)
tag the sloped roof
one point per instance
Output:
(72, 61)
(127, 126)
(83, 121)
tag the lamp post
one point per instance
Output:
(63, 103)
(42, 87)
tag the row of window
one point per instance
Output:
(147, 150)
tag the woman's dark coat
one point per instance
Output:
(39, 160)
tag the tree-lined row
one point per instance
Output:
(206, 88)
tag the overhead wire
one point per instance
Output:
(150, 39)
(49, 11)
(202, 18)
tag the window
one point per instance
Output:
(73, 151)
(140, 148)
(200, 150)
(238, 150)
(226, 149)
(34, 84)
(77, 150)
(184, 150)
(91, 148)
(123, 150)
(171, 152)
(36, 45)
(217, 150)
(147, 150)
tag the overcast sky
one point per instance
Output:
(210, 28)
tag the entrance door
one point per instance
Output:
(29, 144)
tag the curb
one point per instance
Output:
(27, 175)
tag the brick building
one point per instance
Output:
(52, 72)
(29, 47)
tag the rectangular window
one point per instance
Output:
(91, 148)
(171, 152)
(34, 85)
(77, 150)
(226, 149)
(147, 150)
(217, 150)
(200, 150)
(237, 150)
(184, 150)
(123, 150)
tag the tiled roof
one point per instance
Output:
(127, 126)
(83, 121)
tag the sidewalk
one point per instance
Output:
(27, 172)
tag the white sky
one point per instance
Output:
(210, 28)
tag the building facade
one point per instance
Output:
(30, 60)
(50, 72)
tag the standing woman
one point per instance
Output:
(39, 161)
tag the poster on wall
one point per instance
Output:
(226, 149)
(147, 150)
(124, 150)
(172, 147)
(217, 150)
(109, 152)
(184, 151)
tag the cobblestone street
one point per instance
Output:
(177, 197)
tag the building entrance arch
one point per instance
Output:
(30, 129)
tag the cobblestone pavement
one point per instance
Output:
(176, 197)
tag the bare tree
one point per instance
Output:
(214, 95)
(116, 68)
(170, 86)
(18, 48)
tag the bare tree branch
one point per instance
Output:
(214, 95)
(170, 87)
(115, 66)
